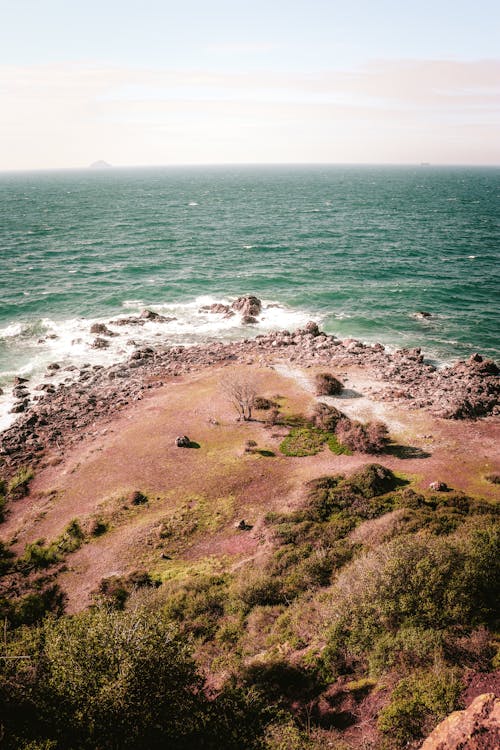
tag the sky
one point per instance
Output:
(158, 82)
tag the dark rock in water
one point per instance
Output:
(18, 380)
(248, 319)
(1, 391)
(100, 343)
(247, 305)
(19, 407)
(150, 315)
(20, 391)
(182, 441)
(421, 315)
(53, 366)
(131, 321)
(217, 307)
(102, 329)
(438, 487)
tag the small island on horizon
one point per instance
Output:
(100, 164)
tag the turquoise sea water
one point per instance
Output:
(357, 248)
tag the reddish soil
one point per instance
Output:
(136, 451)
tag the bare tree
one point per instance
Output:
(241, 393)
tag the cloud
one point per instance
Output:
(65, 115)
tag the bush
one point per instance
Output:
(19, 484)
(99, 527)
(104, 679)
(325, 417)
(369, 438)
(418, 703)
(493, 478)
(264, 404)
(327, 384)
(413, 582)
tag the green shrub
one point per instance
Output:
(261, 589)
(418, 703)
(37, 556)
(19, 484)
(99, 527)
(105, 679)
(407, 649)
(6, 558)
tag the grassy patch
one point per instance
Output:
(337, 447)
(304, 441)
(19, 484)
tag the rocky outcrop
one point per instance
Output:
(248, 306)
(475, 728)
(59, 415)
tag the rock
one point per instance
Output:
(131, 321)
(421, 314)
(1, 391)
(247, 305)
(182, 441)
(312, 328)
(217, 307)
(150, 315)
(102, 329)
(53, 366)
(248, 319)
(18, 380)
(242, 525)
(438, 487)
(100, 343)
(19, 407)
(475, 728)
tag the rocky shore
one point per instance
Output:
(53, 417)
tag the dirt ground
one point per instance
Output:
(217, 483)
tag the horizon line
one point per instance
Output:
(107, 166)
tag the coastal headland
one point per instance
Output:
(102, 451)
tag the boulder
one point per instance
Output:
(100, 328)
(150, 315)
(247, 305)
(312, 328)
(475, 728)
(438, 487)
(100, 343)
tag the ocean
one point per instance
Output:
(359, 249)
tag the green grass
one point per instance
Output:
(308, 441)
(18, 485)
(304, 441)
(337, 447)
